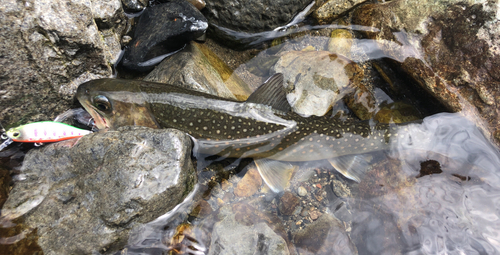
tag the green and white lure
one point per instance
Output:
(45, 132)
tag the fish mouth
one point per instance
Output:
(99, 120)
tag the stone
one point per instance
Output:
(301, 191)
(190, 68)
(89, 196)
(249, 184)
(288, 203)
(161, 31)
(48, 49)
(326, 235)
(231, 237)
(230, 16)
(450, 48)
(315, 80)
(329, 10)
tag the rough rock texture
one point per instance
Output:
(249, 16)
(230, 236)
(329, 10)
(316, 79)
(49, 48)
(89, 196)
(456, 50)
(191, 69)
(163, 29)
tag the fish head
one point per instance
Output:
(114, 103)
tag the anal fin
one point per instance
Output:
(350, 166)
(276, 174)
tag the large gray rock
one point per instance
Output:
(316, 79)
(49, 48)
(86, 198)
(450, 48)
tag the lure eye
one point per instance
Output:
(16, 134)
(102, 103)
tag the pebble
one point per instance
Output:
(302, 191)
(288, 203)
(249, 184)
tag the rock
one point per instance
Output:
(454, 48)
(199, 4)
(249, 184)
(49, 48)
(227, 16)
(329, 10)
(301, 191)
(288, 203)
(190, 68)
(341, 42)
(162, 30)
(135, 5)
(324, 236)
(316, 79)
(231, 237)
(89, 196)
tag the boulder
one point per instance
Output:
(450, 48)
(89, 196)
(49, 48)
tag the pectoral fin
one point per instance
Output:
(276, 174)
(352, 167)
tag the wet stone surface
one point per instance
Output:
(162, 29)
(48, 49)
(457, 70)
(105, 184)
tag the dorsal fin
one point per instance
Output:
(271, 93)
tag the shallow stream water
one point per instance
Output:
(436, 191)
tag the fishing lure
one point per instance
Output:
(45, 132)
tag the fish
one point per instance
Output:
(263, 127)
(45, 132)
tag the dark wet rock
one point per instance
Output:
(191, 68)
(89, 196)
(163, 29)
(329, 10)
(231, 236)
(451, 48)
(288, 203)
(48, 49)
(249, 16)
(397, 112)
(135, 5)
(316, 79)
(324, 236)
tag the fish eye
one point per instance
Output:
(102, 103)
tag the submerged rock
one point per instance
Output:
(324, 236)
(86, 198)
(450, 48)
(232, 236)
(191, 68)
(316, 79)
(162, 30)
(48, 48)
